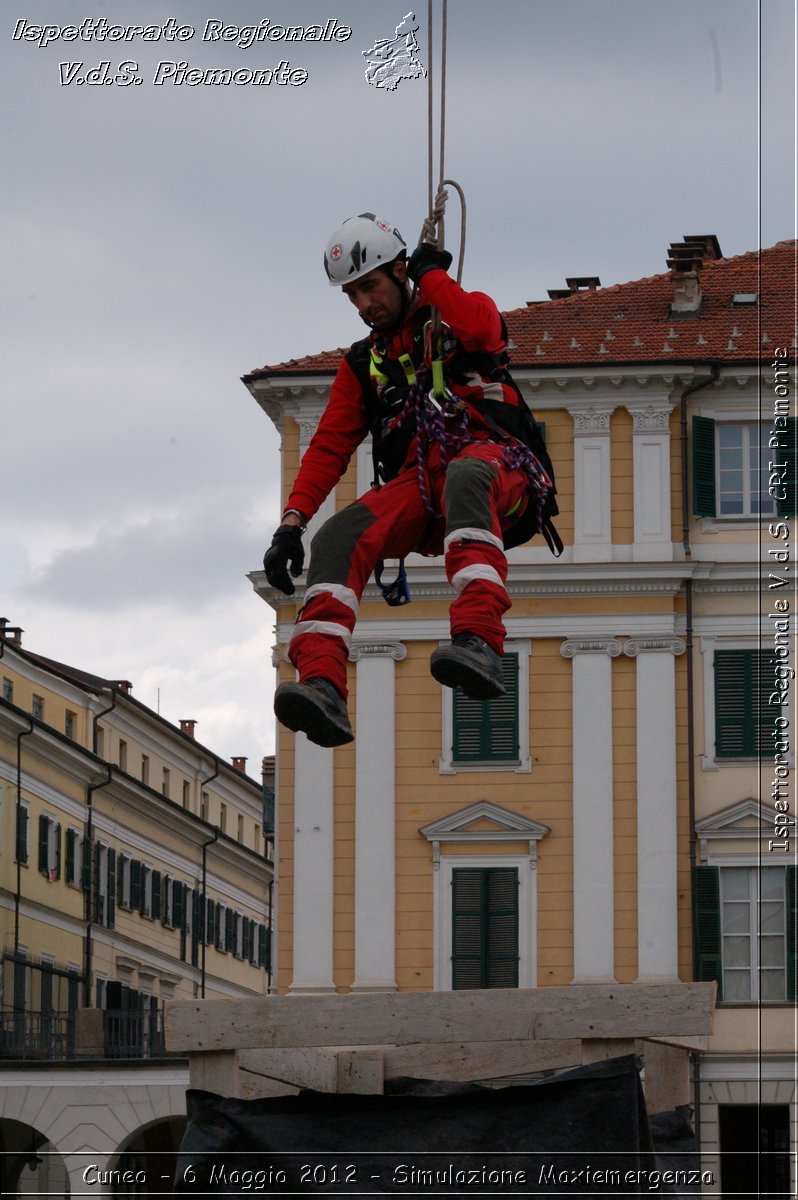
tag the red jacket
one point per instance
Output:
(475, 322)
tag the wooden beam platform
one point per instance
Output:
(351, 1043)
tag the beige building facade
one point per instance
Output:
(614, 818)
(136, 868)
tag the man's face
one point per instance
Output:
(377, 298)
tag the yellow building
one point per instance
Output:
(134, 868)
(611, 818)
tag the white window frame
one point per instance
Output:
(527, 913)
(53, 848)
(123, 862)
(746, 424)
(753, 867)
(77, 882)
(447, 766)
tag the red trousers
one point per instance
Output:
(477, 496)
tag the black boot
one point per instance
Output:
(470, 664)
(315, 708)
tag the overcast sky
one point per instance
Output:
(161, 241)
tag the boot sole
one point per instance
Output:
(453, 670)
(301, 712)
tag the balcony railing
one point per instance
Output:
(39, 1035)
(85, 1033)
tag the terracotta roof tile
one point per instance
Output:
(632, 322)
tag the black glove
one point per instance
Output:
(286, 548)
(427, 258)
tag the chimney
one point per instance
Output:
(576, 283)
(686, 260)
(10, 633)
(240, 764)
(187, 727)
(124, 685)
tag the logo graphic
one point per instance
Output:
(390, 60)
(336, 252)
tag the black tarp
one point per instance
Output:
(580, 1132)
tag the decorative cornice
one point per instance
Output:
(634, 646)
(653, 418)
(307, 427)
(592, 420)
(574, 646)
(394, 650)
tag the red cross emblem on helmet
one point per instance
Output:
(336, 252)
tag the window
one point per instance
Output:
(8, 690)
(485, 730)
(166, 782)
(484, 927)
(754, 1149)
(99, 741)
(122, 754)
(736, 473)
(145, 769)
(123, 881)
(223, 818)
(49, 847)
(746, 924)
(104, 885)
(70, 724)
(744, 680)
(204, 807)
(22, 821)
(37, 708)
(186, 793)
(74, 858)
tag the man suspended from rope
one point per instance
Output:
(451, 441)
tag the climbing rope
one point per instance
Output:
(432, 230)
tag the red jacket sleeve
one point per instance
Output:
(342, 428)
(472, 316)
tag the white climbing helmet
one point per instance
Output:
(358, 246)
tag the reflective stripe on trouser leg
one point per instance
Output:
(477, 488)
(478, 573)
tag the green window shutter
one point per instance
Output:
(166, 895)
(136, 888)
(71, 839)
(263, 946)
(111, 910)
(57, 836)
(156, 896)
(742, 688)
(704, 489)
(484, 927)
(487, 730)
(792, 932)
(22, 833)
(706, 911)
(788, 506)
(44, 844)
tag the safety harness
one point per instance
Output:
(408, 396)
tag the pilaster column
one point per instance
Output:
(307, 428)
(592, 483)
(651, 440)
(313, 868)
(375, 837)
(594, 875)
(657, 917)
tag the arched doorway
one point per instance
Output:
(29, 1164)
(150, 1154)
